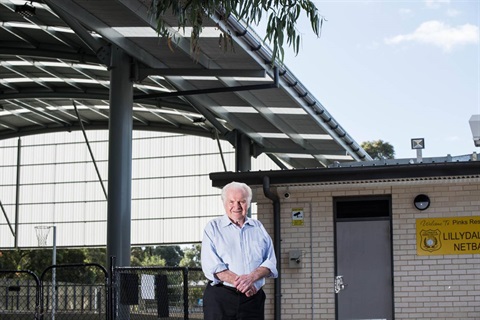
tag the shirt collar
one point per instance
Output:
(226, 221)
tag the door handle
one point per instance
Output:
(339, 285)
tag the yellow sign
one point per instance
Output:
(438, 236)
(297, 216)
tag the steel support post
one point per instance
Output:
(120, 158)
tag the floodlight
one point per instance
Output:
(26, 10)
(475, 127)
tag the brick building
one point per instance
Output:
(355, 246)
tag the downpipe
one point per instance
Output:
(276, 244)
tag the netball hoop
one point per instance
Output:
(42, 235)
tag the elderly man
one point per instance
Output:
(237, 256)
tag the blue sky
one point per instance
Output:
(396, 70)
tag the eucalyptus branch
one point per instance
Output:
(281, 26)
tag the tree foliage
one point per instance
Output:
(171, 254)
(153, 261)
(40, 259)
(156, 256)
(378, 149)
(280, 30)
(13, 259)
(191, 257)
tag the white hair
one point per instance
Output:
(237, 186)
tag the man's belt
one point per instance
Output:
(232, 289)
(221, 285)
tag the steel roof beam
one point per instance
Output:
(142, 11)
(49, 54)
(8, 126)
(96, 45)
(34, 94)
(57, 109)
(93, 109)
(108, 33)
(157, 103)
(237, 88)
(26, 39)
(312, 152)
(21, 116)
(142, 73)
(41, 113)
(199, 103)
(161, 117)
(61, 78)
(27, 76)
(87, 74)
(276, 121)
(34, 20)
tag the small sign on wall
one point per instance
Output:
(297, 216)
(458, 235)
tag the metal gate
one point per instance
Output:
(74, 291)
(86, 292)
(19, 295)
(147, 293)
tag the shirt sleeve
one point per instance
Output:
(270, 261)
(211, 262)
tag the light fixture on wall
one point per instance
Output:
(421, 202)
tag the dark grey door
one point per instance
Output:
(364, 265)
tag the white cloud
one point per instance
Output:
(439, 34)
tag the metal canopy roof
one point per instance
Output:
(54, 64)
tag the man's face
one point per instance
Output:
(236, 205)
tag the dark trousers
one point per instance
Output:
(226, 303)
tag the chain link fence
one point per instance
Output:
(19, 295)
(75, 291)
(147, 293)
(86, 292)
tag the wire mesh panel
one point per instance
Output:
(19, 295)
(196, 286)
(78, 291)
(144, 293)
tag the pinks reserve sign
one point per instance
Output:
(452, 235)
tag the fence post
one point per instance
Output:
(98, 301)
(111, 295)
(6, 298)
(161, 293)
(185, 293)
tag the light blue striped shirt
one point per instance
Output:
(240, 250)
